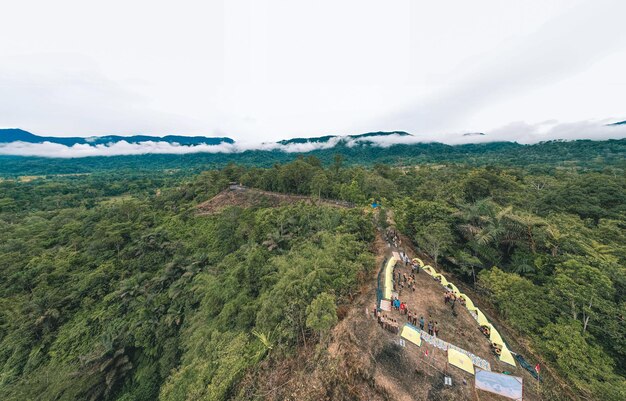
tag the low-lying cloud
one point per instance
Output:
(519, 132)
(124, 148)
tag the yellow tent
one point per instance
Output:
(454, 289)
(482, 320)
(506, 357)
(418, 261)
(468, 302)
(412, 334)
(428, 269)
(460, 360)
(441, 278)
(389, 278)
(494, 336)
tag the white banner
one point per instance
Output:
(505, 385)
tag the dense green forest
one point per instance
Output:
(113, 288)
(565, 154)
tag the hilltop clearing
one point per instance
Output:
(240, 196)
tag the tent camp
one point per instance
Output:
(468, 302)
(506, 356)
(455, 290)
(482, 320)
(441, 279)
(460, 360)
(494, 336)
(418, 261)
(411, 333)
(428, 269)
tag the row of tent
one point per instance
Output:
(494, 336)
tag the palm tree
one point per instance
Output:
(106, 367)
(523, 224)
(474, 216)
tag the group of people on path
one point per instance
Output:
(450, 298)
(411, 317)
(386, 322)
(404, 281)
(392, 238)
(433, 328)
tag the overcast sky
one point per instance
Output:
(266, 70)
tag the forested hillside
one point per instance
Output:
(115, 288)
(564, 154)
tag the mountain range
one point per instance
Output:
(326, 138)
(16, 134)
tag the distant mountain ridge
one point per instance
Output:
(16, 134)
(10, 135)
(326, 138)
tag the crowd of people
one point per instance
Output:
(386, 322)
(392, 238)
(392, 325)
(405, 281)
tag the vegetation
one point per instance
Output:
(113, 288)
(586, 154)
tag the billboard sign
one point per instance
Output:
(505, 385)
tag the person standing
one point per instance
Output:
(421, 322)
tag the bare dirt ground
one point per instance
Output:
(248, 197)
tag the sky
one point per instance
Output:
(264, 70)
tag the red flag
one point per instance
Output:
(537, 368)
(426, 353)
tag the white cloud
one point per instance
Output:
(516, 132)
(49, 149)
